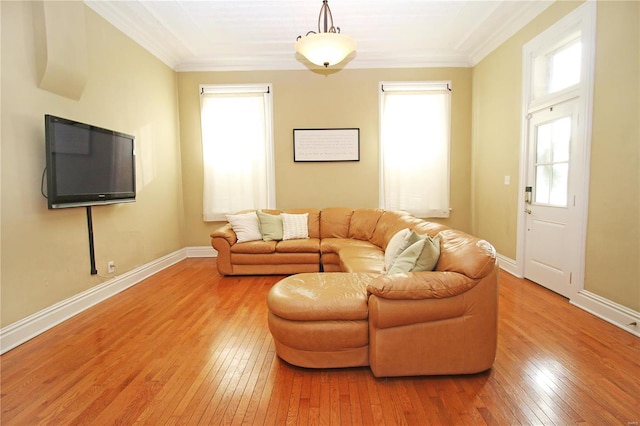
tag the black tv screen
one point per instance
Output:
(88, 165)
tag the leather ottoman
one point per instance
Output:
(320, 320)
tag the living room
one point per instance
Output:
(45, 261)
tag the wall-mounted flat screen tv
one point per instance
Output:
(88, 165)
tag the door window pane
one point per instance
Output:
(559, 181)
(552, 162)
(543, 179)
(561, 138)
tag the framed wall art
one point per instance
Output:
(311, 145)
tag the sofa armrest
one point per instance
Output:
(225, 232)
(222, 239)
(421, 285)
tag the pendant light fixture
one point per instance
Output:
(327, 46)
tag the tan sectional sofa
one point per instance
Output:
(355, 314)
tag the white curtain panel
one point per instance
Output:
(237, 152)
(415, 132)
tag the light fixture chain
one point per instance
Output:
(325, 12)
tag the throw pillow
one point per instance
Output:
(397, 244)
(422, 255)
(270, 226)
(294, 226)
(246, 226)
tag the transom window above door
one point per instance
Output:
(558, 68)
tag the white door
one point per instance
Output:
(551, 247)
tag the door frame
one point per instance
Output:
(584, 18)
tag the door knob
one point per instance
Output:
(527, 211)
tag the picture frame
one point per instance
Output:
(333, 144)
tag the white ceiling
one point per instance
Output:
(219, 35)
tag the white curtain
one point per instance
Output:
(237, 150)
(414, 148)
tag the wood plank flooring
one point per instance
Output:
(188, 346)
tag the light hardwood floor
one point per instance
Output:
(187, 346)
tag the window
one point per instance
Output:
(557, 67)
(551, 166)
(414, 147)
(237, 149)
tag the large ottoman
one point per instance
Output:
(320, 320)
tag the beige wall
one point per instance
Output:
(304, 99)
(45, 254)
(613, 239)
(613, 232)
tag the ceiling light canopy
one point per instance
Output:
(327, 46)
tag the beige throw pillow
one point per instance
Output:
(246, 226)
(397, 244)
(295, 226)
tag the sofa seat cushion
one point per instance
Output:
(254, 247)
(329, 296)
(368, 259)
(306, 245)
(336, 245)
(265, 261)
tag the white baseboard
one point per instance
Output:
(27, 328)
(508, 265)
(201, 251)
(609, 311)
(612, 312)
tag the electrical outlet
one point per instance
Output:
(111, 267)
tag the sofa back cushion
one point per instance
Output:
(363, 223)
(334, 222)
(463, 253)
(389, 224)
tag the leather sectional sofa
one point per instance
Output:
(341, 307)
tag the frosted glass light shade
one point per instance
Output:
(325, 48)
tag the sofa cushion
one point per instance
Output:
(363, 223)
(336, 245)
(362, 259)
(389, 223)
(254, 247)
(307, 245)
(246, 226)
(421, 255)
(294, 226)
(334, 222)
(270, 226)
(329, 296)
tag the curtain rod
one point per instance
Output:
(229, 89)
(448, 87)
